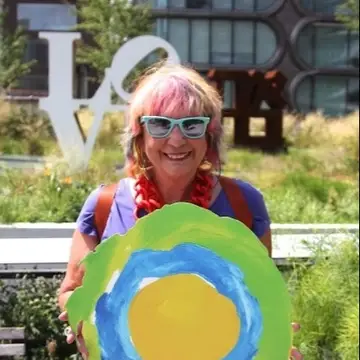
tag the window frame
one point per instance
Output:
(37, 3)
(295, 83)
(310, 13)
(273, 61)
(12, 23)
(297, 58)
(272, 9)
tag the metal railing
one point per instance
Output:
(22, 162)
(43, 248)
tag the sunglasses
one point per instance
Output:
(161, 126)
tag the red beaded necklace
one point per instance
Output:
(148, 198)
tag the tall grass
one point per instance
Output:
(316, 180)
(325, 299)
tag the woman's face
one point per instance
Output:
(176, 156)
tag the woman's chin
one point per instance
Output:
(180, 174)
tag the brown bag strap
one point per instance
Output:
(241, 208)
(103, 207)
(237, 201)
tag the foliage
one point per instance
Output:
(326, 301)
(25, 122)
(348, 13)
(122, 21)
(12, 51)
(316, 181)
(44, 198)
(31, 303)
(303, 198)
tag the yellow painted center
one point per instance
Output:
(182, 317)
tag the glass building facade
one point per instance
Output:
(219, 42)
(300, 38)
(34, 16)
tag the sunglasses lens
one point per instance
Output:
(194, 128)
(158, 127)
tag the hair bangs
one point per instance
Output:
(174, 97)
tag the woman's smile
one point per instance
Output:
(178, 157)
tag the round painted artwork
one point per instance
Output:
(183, 284)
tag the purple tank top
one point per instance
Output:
(121, 217)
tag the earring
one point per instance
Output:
(144, 165)
(206, 165)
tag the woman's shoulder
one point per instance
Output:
(250, 191)
(85, 219)
(123, 187)
(254, 199)
(256, 204)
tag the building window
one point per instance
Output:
(37, 49)
(242, 5)
(33, 82)
(253, 5)
(229, 95)
(194, 4)
(39, 16)
(335, 95)
(326, 7)
(219, 42)
(323, 45)
(200, 41)
(178, 30)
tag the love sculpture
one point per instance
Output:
(60, 104)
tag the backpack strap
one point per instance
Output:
(240, 207)
(103, 207)
(237, 201)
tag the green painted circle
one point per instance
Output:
(181, 223)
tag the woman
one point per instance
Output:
(173, 148)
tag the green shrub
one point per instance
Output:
(49, 197)
(25, 130)
(302, 204)
(31, 303)
(348, 340)
(316, 181)
(326, 303)
(13, 147)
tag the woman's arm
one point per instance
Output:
(81, 245)
(84, 240)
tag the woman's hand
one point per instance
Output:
(71, 336)
(295, 355)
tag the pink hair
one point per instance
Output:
(174, 91)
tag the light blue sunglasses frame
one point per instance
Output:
(173, 122)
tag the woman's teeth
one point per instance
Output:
(178, 156)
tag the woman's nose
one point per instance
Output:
(176, 137)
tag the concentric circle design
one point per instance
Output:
(183, 284)
(112, 325)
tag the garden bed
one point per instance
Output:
(315, 181)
